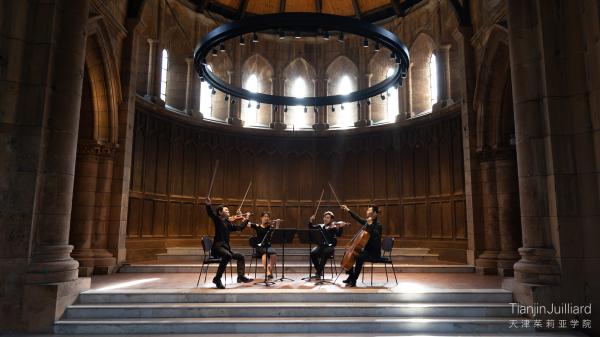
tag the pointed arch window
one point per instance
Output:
(345, 118)
(300, 90)
(164, 71)
(250, 111)
(392, 104)
(206, 97)
(433, 85)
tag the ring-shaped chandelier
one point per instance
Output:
(311, 23)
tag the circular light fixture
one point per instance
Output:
(311, 23)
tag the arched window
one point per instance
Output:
(345, 118)
(392, 104)
(206, 98)
(164, 68)
(299, 89)
(433, 79)
(250, 107)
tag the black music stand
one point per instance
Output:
(266, 242)
(310, 236)
(283, 236)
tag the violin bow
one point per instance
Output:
(319, 203)
(334, 195)
(212, 180)
(244, 199)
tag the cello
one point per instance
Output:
(356, 245)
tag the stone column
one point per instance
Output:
(84, 202)
(364, 118)
(409, 106)
(443, 76)
(188, 85)
(91, 208)
(321, 113)
(235, 78)
(277, 116)
(487, 260)
(51, 260)
(507, 192)
(401, 92)
(152, 86)
(538, 263)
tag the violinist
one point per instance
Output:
(263, 229)
(372, 249)
(224, 224)
(331, 230)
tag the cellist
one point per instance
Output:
(372, 249)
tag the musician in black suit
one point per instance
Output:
(372, 249)
(224, 224)
(330, 230)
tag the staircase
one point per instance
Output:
(274, 311)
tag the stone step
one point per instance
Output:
(268, 325)
(292, 267)
(288, 309)
(258, 295)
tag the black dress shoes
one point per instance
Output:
(218, 283)
(243, 279)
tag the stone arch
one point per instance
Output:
(339, 67)
(299, 68)
(105, 85)
(377, 66)
(420, 54)
(262, 68)
(497, 155)
(493, 94)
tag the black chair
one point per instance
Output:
(332, 264)
(209, 259)
(253, 243)
(387, 244)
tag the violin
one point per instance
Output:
(336, 224)
(239, 216)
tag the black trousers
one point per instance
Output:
(360, 260)
(223, 251)
(319, 256)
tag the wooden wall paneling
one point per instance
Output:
(150, 156)
(460, 219)
(147, 217)
(446, 166)
(392, 174)
(435, 219)
(379, 175)
(414, 174)
(137, 168)
(174, 219)
(421, 220)
(408, 168)
(176, 162)
(189, 166)
(162, 158)
(158, 219)
(434, 168)
(204, 170)
(447, 219)
(134, 217)
(187, 219)
(421, 178)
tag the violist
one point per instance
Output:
(331, 230)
